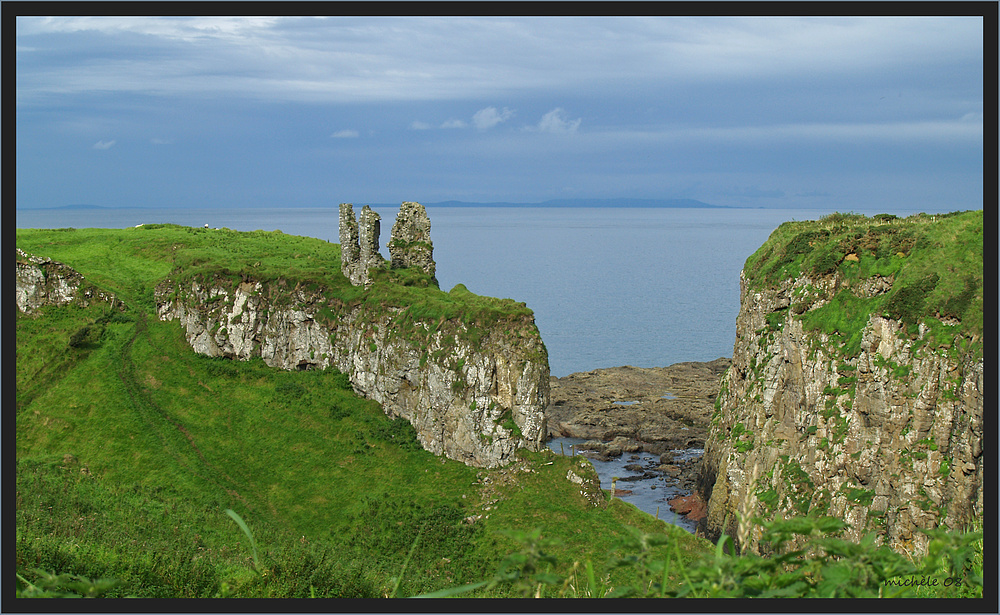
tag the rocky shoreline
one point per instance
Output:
(627, 410)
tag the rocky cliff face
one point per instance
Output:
(886, 435)
(474, 392)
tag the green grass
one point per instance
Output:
(130, 447)
(131, 262)
(936, 263)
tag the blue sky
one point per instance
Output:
(837, 113)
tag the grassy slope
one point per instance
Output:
(130, 446)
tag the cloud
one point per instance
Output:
(454, 124)
(418, 125)
(345, 134)
(364, 59)
(553, 121)
(489, 117)
(104, 144)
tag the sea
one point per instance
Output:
(647, 287)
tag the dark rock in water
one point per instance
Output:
(634, 467)
(582, 404)
(691, 505)
(629, 479)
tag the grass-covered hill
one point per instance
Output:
(130, 446)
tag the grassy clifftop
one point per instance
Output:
(935, 264)
(130, 262)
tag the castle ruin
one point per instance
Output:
(409, 244)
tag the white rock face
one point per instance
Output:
(474, 398)
(889, 441)
(43, 281)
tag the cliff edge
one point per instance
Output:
(470, 373)
(856, 388)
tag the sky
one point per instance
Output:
(834, 113)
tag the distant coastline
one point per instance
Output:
(623, 202)
(688, 203)
(75, 206)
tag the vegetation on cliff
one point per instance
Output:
(856, 388)
(935, 264)
(130, 262)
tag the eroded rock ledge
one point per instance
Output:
(890, 440)
(628, 410)
(658, 408)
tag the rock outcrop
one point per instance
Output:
(886, 435)
(661, 408)
(43, 281)
(410, 244)
(474, 390)
(622, 410)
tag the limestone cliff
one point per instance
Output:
(856, 388)
(473, 382)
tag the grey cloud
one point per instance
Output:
(351, 60)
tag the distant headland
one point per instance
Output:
(586, 203)
(610, 203)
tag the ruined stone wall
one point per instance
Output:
(359, 247)
(410, 244)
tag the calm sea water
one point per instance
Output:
(609, 287)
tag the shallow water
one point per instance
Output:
(649, 495)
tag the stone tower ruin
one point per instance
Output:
(409, 245)
(359, 244)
